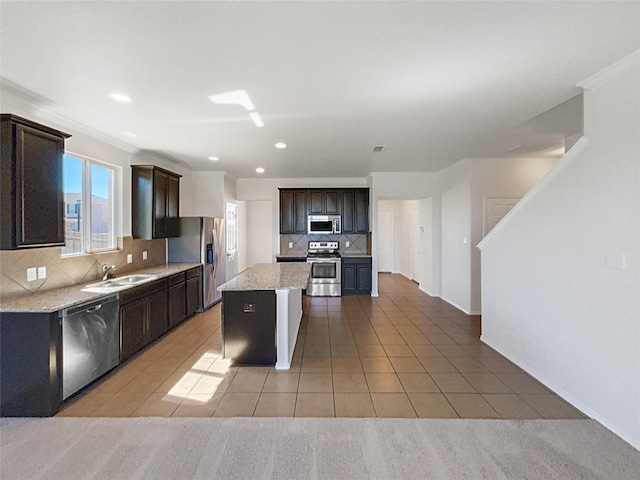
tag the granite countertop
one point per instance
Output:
(292, 255)
(355, 255)
(270, 276)
(65, 297)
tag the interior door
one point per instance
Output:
(385, 241)
(495, 208)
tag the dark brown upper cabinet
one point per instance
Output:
(361, 210)
(355, 210)
(155, 202)
(31, 188)
(324, 202)
(297, 203)
(293, 211)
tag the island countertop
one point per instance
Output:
(270, 276)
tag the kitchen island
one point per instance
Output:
(261, 313)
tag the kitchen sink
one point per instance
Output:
(115, 284)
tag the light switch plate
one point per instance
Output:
(129, 257)
(290, 244)
(31, 274)
(348, 243)
(144, 254)
(42, 272)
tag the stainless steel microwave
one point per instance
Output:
(324, 224)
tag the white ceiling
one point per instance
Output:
(432, 81)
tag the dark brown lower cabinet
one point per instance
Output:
(184, 295)
(193, 291)
(143, 316)
(356, 276)
(132, 327)
(158, 318)
(177, 303)
(30, 364)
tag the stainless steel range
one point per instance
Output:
(326, 266)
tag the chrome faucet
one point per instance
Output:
(107, 272)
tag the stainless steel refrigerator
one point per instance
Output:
(201, 241)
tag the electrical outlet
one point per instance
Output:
(465, 240)
(144, 255)
(290, 244)
(130, 258)
(42, 273)
(348, 243)
(31, 274)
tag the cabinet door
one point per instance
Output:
(173, 207)
(39, 194)
(332, 202)
(348, 205)
(286, 211)
(193, 295)
(315, 200)
(160, 185)
(300, 211)
(348, 284)
(157, 322)
(361, 211)
(133, 328)
(363, 278)
(177, 303)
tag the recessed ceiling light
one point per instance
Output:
(256, 119)
(120, 97)
(129, 134)
(280, 145)
(214, 159)
(236, 97)
(260, 170)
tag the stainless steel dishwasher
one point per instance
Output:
(90, 342)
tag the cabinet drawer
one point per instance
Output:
(133, 294)
(193, 273)
(176, 279)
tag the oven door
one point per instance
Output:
(325, 270)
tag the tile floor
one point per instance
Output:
(403, 354)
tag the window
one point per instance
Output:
(89, 197)
(232, 230)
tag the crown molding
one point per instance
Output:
(627, 64)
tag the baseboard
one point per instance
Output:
(427, 292)
(560, 392)
(466, 312)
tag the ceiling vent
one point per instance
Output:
(378, 148)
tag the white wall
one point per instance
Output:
(497, 176)
(428, 280)
(550, 302)
(455, 188)
(260, 248)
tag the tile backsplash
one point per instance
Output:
(63, 271)
(358, 244)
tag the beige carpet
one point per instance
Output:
(307, 448)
